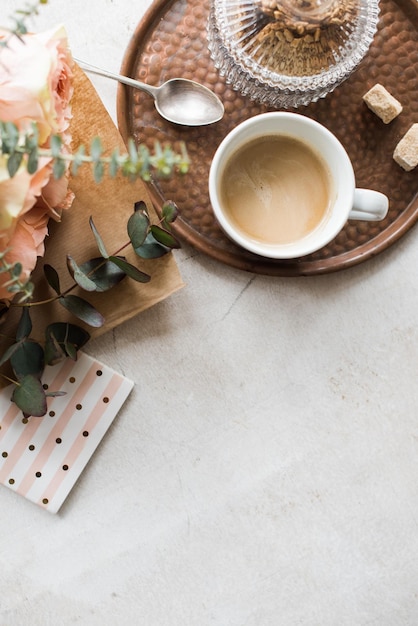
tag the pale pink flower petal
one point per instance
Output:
(35, 86)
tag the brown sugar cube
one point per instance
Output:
(382, 103)
(406, 152)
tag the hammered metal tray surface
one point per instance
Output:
(171, 40)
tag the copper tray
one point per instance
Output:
(171, 41)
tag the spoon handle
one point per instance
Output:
(152, 91)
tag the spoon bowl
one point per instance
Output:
(179, 100)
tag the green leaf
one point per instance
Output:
(98, 171)
(130, 270)
(151, 249)
(83, 310)
(98, 239)
(11, 138)
(170, 212)
(96, 149)
(13, 288)
(165, 237)
(59, 168)
(54, 353)
(24, 328)
(140, 206)
(132, 150)
(145, 160)
(78, 159)
(71, 350)
(63, 339)
(26, 291)
(56, 145)
(28, 359)
(52, 277)
(33, 161)
(13, 163)
(55, 394)
(16, 270)
(138, 227)
(114, 163)
(79, 276)
(8, 353)
(29, 396)
(104, 274)
(184, 161)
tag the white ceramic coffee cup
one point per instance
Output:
(347, 202)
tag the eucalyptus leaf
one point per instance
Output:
(140, 206)
(169, 211)
(133, 151)
(151, 249)
(98, 171)
(33, 161)
(58, 168)
(79, 276)
(13, 163)
(54, 352)
(16, 270)
(103, 273)
(55, 394)
(52, 277)
(96, 148)
(165, 237)
(130, 270)
(14, 288)
(24, 328)
(56, 145)
(29, 396)
(78, 159)
(10, 137)
(114, 163)
(138, 227)
(99, 240)
(8, 353)
(28, 359)
(83, 310)
(63, 339)
(71, 350)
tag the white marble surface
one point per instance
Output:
(264, 471)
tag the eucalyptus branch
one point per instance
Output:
(24, 303)
(138, 162)
(14, 284)
(140, 237)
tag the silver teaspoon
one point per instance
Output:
(178, 100)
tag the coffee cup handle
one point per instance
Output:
(369, 205)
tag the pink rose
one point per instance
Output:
(35, 86)
(26, 244)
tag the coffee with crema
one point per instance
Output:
(276, 189)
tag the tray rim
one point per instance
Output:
(235, 258)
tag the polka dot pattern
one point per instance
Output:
(41, 458)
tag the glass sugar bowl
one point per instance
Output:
(288, 53)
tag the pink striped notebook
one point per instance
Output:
(42, 458)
